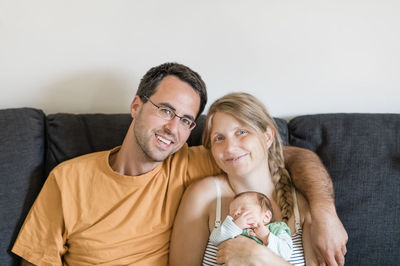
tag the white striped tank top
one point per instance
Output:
(297, 257)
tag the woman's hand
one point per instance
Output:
(245, 251)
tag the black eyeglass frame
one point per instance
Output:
(167, 116)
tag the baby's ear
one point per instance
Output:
(267, 217)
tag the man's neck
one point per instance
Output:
(129, 161)
(124, 163)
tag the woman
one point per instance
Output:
(245, 143)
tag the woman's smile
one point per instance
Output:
(234, 159)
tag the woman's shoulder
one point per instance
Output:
(199, 198)
(205, 187)
(207, 184)
(303, 206)
(203, 183)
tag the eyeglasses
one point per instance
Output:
(169, 114)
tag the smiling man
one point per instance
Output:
(156, 134)
(117, 207)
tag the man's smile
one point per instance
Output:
(163, 140)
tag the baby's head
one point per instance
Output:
(252, 201)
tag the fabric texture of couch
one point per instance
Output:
(360, 151)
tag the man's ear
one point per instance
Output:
(270, 136)
(267, 217)
(136, 106)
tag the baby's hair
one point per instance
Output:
(262, 200)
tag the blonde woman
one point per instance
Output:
(244, 141)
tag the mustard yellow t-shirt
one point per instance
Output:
(87, 214)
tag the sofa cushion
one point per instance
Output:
(283, 130)
(71, 135)
(22, 150)
(362, 155)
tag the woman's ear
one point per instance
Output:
(136, 106)
(270, 136)
(267, 217)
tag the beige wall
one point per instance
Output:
(299, 57)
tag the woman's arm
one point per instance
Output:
(245, 251)
(329, 237)
(190, 232)
(309, 254)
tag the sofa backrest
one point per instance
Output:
(362, 155)
(72, 135)
(22, 155)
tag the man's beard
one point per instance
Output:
(144, 142)
(147, 151)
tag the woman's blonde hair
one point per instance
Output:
(250, 111)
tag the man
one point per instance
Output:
(117, 207)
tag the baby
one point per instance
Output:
(250, 214)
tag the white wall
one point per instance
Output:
(299, 57)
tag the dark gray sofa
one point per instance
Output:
(360, 151)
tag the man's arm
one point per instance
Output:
(43, 230)
(310, 176)
(329, 237)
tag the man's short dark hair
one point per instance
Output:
(155, 75)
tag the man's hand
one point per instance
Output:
(245, 251)
(328, 238)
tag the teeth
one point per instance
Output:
(164, 140)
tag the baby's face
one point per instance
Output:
(247, 203)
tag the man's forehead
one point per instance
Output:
(177, 95)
